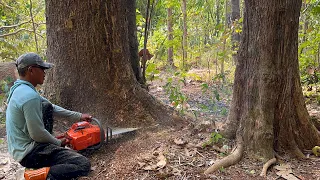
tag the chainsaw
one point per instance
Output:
(86, 135)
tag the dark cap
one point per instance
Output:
(29, 59)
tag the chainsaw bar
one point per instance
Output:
(116, 131)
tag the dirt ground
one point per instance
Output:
(166, 153)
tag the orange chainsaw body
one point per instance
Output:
(82, 135)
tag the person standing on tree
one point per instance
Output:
(29, 124)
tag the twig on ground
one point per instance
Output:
(199, 153)
(100, 173)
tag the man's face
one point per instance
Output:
(37, 74)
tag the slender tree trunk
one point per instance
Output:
(170, 36)
(144, 57)
(184, 39)
(34, 27)
(88, 43)
(235, 16)
(217, 17)
(268, 109)
(226, 26)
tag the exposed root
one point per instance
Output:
(266, 166)
(298, 153)
(227, 161)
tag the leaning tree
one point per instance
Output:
(268, 113)
(88, 43)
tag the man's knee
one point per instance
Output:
(86, 163)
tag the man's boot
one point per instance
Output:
(37, 174)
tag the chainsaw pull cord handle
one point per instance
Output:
(102, 136)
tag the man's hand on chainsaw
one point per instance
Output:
(64, 142)
(86, 117)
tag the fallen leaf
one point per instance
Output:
(179, 141)
(4, 161)
(282, 167)
(150, 168)
(162, 161)
(176, 172)
(287, 175)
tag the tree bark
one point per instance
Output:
(133, 41)
(268, 109)
(89, 45)
(235, 16)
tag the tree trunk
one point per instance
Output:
(170, 37)
(89, 45)
(218, 8)
(268, 110)
(133, 42)
(235, 16)
(184, 39)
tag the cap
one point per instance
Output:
(32, 59)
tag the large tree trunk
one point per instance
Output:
(88, 43)
(268, 111)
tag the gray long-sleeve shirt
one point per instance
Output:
(24, 123)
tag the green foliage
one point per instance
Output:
(215, 138)
(177, 98)
(152, 72)
(4, 84)
(218, 97)
(16, 20)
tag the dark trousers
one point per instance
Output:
(64, 163)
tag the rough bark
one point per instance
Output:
(268, 109)
(133, 41)
(88, 43)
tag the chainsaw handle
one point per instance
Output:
(60, 136)
(102, 135)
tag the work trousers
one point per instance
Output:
(64, 163)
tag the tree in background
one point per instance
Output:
(22, 28)
(170, 36)
(268, 112)
(89, 45)
(185, 33)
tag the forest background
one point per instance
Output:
(200, 34)
(207, 26)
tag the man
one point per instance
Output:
(30, 141)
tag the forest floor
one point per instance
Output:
(169, 153)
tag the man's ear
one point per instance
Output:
(29, 69)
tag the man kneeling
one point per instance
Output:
(29, 127)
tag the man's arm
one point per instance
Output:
(64, 113)
(32, 113)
